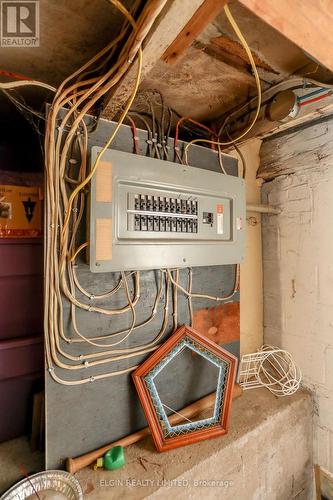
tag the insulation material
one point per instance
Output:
(20, 211)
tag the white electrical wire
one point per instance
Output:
(66, 182)
(81, 96)
(26, 83)
(205, 296)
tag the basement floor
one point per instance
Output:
(266, 454)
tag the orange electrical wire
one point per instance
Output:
(135, 135)
(17, 76)
(189, 119)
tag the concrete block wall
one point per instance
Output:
(298, 286)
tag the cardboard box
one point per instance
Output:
(20, 212)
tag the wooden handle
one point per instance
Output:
(75, 464)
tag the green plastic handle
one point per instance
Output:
(114, 459)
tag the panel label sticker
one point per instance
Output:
(219, 218)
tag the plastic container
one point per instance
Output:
(21, 287)
(16, 396)
(21, 375)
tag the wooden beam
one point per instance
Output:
(206, 13)
(172, 20)
(232, 49)
(307, 23)
(297, 151)
(317, 481)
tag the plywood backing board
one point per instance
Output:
(84, 417)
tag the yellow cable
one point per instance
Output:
(81, 247)
(63, 231)
(257, 79)
(50, 346)
(106, 146)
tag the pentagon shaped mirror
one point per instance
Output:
(162, 390)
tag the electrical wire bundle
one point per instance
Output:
(158, 128)
(66, 138)
(66, 130)
(67, 180)
(158, 119)
(257, 102)
(157, 139)
(230, 142)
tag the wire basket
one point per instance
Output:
(270, 367)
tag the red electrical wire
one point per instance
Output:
(17, 76)
(315, 99)
(189, 119)
(135, 135)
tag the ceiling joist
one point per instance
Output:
(206, 13)
(172, 20)
(306, 23)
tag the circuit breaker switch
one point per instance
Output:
(143, 223)
(143, 202)
(188, 207)
(149, 203)
(156, 223)
(137, 223)
(161, 204)
(150, 223)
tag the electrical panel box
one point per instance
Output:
(149, 214)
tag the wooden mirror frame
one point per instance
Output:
(165, 436)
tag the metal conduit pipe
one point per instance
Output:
(262, 209)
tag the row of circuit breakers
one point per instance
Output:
(150, 214)
(159, 213)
